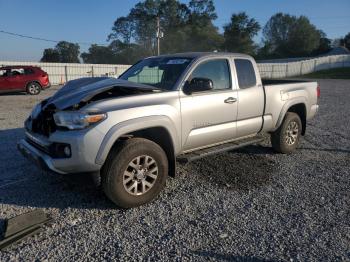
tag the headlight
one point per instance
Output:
(76, 120)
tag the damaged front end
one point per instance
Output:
(41, 120)
(58, 128)
(62, 111)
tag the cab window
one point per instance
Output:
(217, 70)
(245, 73)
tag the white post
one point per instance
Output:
(272, 71)
(315, 64)
(66, 73)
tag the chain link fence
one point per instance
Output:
(59, 73)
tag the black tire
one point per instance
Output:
(286, 138)
(33, 88)
(119, 165)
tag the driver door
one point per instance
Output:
(209, 117)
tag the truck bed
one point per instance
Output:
(281, 81)
(279, 93)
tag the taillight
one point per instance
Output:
(318, 91)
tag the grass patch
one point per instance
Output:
(334, 73)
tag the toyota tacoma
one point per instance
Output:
(132, 131)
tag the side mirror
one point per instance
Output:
(198, 84)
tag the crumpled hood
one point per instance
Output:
(83, 89)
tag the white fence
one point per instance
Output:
(290, 69)
(59, 73)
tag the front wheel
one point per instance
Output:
(134, 173)
(287, 137)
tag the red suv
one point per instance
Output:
(31, 79)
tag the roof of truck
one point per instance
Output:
(204, 54)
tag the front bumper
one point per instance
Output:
(84, 145)
(42, 160)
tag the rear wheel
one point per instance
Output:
(33, 88)
(286, 138)
(134, 173)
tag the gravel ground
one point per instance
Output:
(246, 205)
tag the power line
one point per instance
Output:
(44, 39)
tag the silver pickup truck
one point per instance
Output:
(130, 131)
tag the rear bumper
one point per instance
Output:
(39, 158)
(47, 86)
(313, 111)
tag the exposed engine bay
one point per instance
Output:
(75, 95)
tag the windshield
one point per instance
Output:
(160, 72)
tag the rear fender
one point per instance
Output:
(285, 108)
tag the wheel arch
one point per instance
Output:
(300, 110)
(35, 81)
(157, 129)
(159, 135)
(296, 106)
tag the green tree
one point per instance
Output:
(144, 15)
(123, 29)
(173, 19)
(64, 52)
(239, 34)
(202, 12)
(291, 36)
(201, 34)
(186, 27)
(325, 45)
(69, 52)
(127, 53)
(99, 55)
(50, 55)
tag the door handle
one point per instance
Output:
(230, 100)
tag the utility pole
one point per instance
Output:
(160, 35)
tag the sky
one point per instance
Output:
(91, 21)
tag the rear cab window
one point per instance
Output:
(245, 73)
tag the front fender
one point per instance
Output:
(133, 125)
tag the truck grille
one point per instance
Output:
(43, 124)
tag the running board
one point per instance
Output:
(198, 154)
